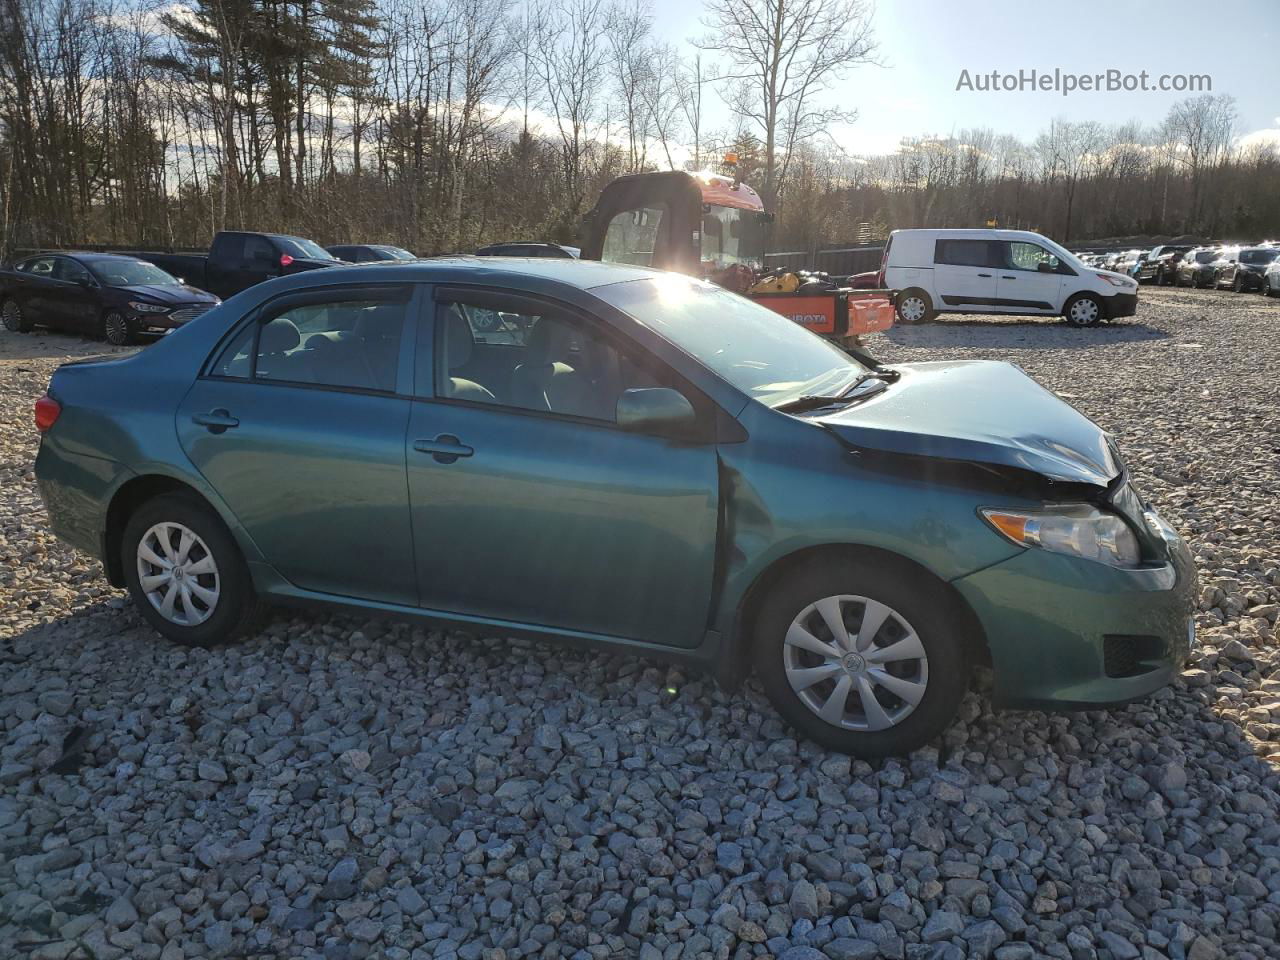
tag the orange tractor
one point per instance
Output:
(713, 226)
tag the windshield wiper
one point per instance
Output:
(815, 401)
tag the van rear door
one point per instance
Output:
(964, 272)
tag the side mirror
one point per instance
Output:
(86, 282)
(656, 410)
(1044, 267)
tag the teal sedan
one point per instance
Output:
(625, 459)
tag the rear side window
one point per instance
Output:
(965, 253)
(352, 344)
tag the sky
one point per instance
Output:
(925, 44)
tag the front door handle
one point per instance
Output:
(1005, 276)
(985, 275)
(445, 448)
(216, 420)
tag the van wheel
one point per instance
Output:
(861, 657)
(1083, 310)
(914, 306)
(185, 573)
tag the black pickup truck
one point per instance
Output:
(237, 260)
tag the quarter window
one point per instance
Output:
(964, 253)
(40, 267)
(632, 237)
(344, 343)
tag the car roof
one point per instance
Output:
(583, 274)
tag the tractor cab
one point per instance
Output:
(715, 227)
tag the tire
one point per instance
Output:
(1083, 310)
(1237, 284)
(1269, 290)
(914, 306)
(117, 329)
(161, 526)
(911, 606)
(14, 321)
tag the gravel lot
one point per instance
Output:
(340, 788)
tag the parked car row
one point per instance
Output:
(1240, 268)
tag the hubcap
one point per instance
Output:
(178, 574)
(855, 662)
(117, 329)
(1084, 311)
(912, 309)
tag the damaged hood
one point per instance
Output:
(979, 411)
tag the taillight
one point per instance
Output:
(47, 410)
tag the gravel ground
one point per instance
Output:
(340, 788)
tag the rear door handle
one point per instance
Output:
(216, 420)
(445, 448)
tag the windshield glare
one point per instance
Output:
(128, 273)
(301, 247)
(758, 351)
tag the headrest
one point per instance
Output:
(548, 342)
(458, 338)
(279, 336)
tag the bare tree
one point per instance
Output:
(783, 55)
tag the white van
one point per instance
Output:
(999, 271)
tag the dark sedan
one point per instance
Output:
(114, 297)
(1249, 270)
(369, 252)
(1197, 268)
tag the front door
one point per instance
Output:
(529, 503)
(1031, 278)
(299, 425)
(77, 295)
(964, 273)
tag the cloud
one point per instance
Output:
(1267, 136)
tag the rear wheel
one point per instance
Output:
(1083, 310)
(861, 657)
(915, 306)
(185, 573)
(117, 329)
(14, 321)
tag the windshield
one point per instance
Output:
(396, 253)
(1258, 256)
(301, 247)
(758, 351)
(730, 236)
(1206, 256)
(128, 273)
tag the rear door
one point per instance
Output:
(1031, 279)
(964, 272)
(298, 422)
(530, 504)
(33, 286)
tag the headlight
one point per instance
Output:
(1078, 530)
(1115, 281)
(141, 307)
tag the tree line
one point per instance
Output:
(440, 125)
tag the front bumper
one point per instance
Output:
(1067, 633)
(1120, 305)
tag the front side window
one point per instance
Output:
(760, 352)
(964, 253)
(632, 237)
(560, 365)
(343, 343)
(257, 249)
(730, 236)
(1029, 256)
(69, 271)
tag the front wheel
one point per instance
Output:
(117, 329)
(915, 306)
(1083, 310)
(14, 321)
(861, 657)
(1238, 284)
(185, 572)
